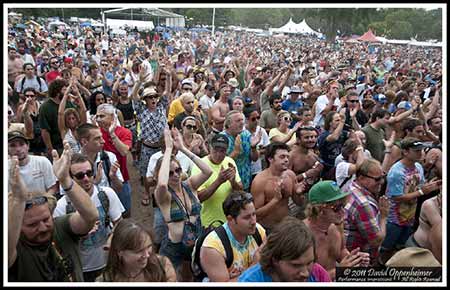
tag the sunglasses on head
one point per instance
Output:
(80, 175)
(35, 201)
(176, 170)
(191, 127)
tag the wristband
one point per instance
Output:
(421, 191)
(70, 187)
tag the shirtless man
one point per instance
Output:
(325, 220)
(220, 109)
(273, 186)
(304, 163)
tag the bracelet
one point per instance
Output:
(69, 188)
(387, 152)
(421, 192)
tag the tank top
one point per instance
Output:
(74, 144)
(127, 110)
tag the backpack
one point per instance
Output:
(197, 270)
(104, 201)
(23, 82)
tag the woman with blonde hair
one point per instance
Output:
(132, 259)
(282, 133)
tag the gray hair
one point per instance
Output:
(227, 122)
(107, 108)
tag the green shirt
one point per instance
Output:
(212, 207)
(374, 142)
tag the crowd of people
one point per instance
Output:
(265, 159)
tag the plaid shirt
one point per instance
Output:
(362, 222)
(152, 122)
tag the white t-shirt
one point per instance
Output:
(186, 163)
(206, 102)
(257, 165)
(340, 158)
(112, 159)
(342, 174)
(32, 83)
(93, 257)
(321, 102)
(37, 175)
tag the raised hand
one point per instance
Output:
(352, 259)
(390, 142)
(255, 139)
(18, 188)
(99, 174)
(237, 144)
(113, 125)
(168, 140)
(61, 164)
(383, 205)
(177, 139)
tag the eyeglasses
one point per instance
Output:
(353, 101)
(151, 96)
(377, 179)
(80, 175)
(255, 118)
(336, 207)
(191, 127)
(35, 201)
(176, 170)
(243, 197)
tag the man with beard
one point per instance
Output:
(40, 248)
(54, 72)
(220, 109)
(269, 117)
(188, 101)
(273, 186)
(93, 257)
(325, 218)
(48, 116)
(366, 211)
(295, 263)
(304, 162)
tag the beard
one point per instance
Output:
(277, 108)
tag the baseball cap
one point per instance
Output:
(412, 143)
(16, 135)
(67, 59)
(216, 61)
(233, 82)
(219, 140)
(404, 105)
(413, 257)
(296, 90)
(325, 191)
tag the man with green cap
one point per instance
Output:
(325, 216)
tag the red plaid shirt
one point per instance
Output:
(362, 222)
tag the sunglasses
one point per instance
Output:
(377, 179)
(353, 101)
(177, 171)
(104, 64)
(191, 127)
(287, 119)
(54, 62)
(151, 96)
(35, 201)
(336, 207)
(186, 89)
(30, 95)
(255, 118)
(10, 113)
(80, 175)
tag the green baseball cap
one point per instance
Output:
(325, 191)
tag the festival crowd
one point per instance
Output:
(265, 159)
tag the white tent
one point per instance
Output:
(116, 24)
(304, 28)
(289, 27)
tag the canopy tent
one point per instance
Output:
(368, 37)
(116, 24)
(57, 23)
(86, 24)
(304, 28)
(289, 27)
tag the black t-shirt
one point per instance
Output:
(46, 264)
(330, 150)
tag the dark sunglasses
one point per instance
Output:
(287, 119)
(377, 179)
(336, 207)
(353, 101)
(30, 95)
(35, 201)
(191, 127)
(80, 175)
(151, 96)
(177, 170)
(186, 89)
(10, 112)
(54, 62)
(255, 118)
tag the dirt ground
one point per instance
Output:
(143, 214)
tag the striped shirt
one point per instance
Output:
(362, 221)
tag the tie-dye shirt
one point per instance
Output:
(243, 160)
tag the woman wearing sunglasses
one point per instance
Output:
(193, 141)
(179, 204)
(325, 216)
(282, 133)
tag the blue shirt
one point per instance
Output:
(243, 160)
(256, 274)
(292, 107)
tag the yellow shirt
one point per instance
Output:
(176, 107)
(275, 132)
